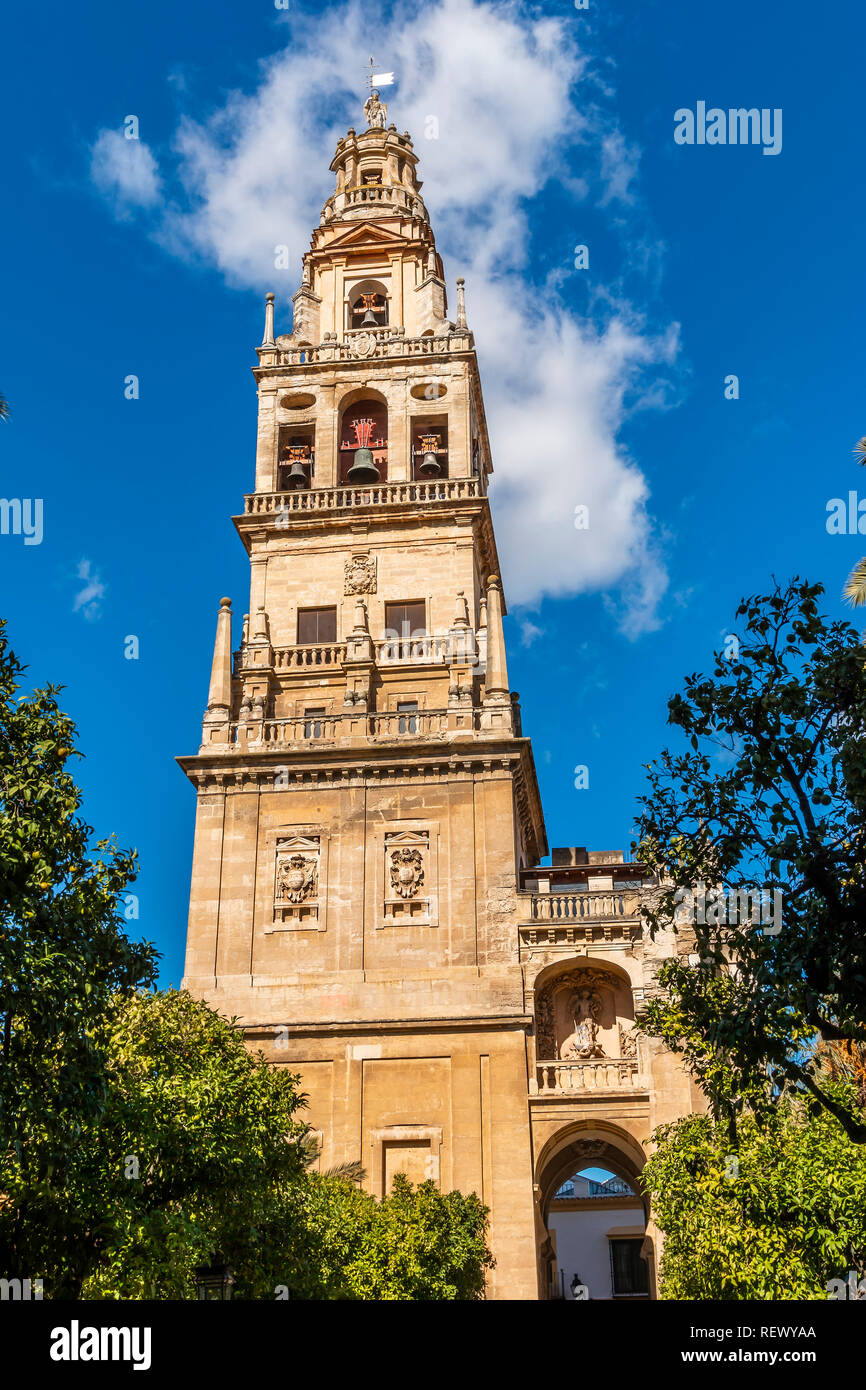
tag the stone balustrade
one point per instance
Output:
(301, 658)
(424, 650)
(359, 345)
(558, 907)
(284, 505)
(578, 1078)
(395, 195)
(301, 730)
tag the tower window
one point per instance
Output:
(407, 722)
(364, 426)
(369, 309)
(313, 722)
(430, 448)
(316, 625)
(405, 620)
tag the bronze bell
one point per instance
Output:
(363, 468)
(297, 475)
(430, 467)
(369, 320)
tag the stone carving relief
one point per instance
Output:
(628, 1038)
(296, 880)
(407, 872)
(587, 988)
(582, 1043)
(408, 878)
(360, 575)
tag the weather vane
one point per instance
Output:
(375, 110)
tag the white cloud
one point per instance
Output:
(125, 171)
(619, 164)
(506, 90)
(88, 600)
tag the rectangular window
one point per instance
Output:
(629, 1273)
(316, 625)
(404, 620)
(313, 722)
(408, 720)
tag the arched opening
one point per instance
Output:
(593, 1215)
(367, 305)
(364, 439)
(585, 1033)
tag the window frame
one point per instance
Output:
(304, 613)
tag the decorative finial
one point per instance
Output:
(268, 339)
(461, 303)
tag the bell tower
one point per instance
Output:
(366, 800)
(366, 893)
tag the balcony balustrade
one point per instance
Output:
(300, 730)
(376, 342)
(284, 505)
(580, 1078)
(302, 658)
(559, 907)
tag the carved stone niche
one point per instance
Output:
(360, 574)
(408, 879)
(576, 1016)
(296, 882)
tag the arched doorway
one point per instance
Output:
(592, 1216)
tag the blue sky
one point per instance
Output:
(604, 384)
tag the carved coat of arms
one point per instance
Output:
(296, 878)
(407, 872)
(360, 575)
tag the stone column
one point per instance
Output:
(496, 679)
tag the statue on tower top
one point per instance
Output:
(376, 112)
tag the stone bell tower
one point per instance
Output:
(366, 802)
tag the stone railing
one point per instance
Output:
(558, 907)
(577, 1078)
(370, 194)
(425, 722)
(300, 730)
(378, 342)
(300, 658)
(424, 650)
(283, 505)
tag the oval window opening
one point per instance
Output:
(428, 390)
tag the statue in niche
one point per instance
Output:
(582, 1044)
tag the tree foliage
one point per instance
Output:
(330, 1240)
(139, 1137)
(64, 956)
(197, 1140)
(769, 796)
(774, 1218)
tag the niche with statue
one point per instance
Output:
(583, 1015)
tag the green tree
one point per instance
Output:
(327, 1239)
(64, 956)
(855, 588)
(775, 1217)
(769, 796)
(196, 1144)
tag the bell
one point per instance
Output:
(430, 467)
(298, 476)
(369, 320)
(363, 468)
